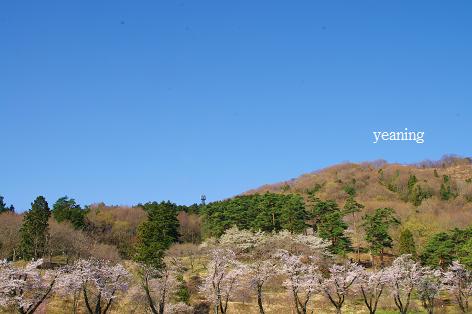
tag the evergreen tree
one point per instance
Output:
(66, 209)
(267, 212)
(411, 182)
(329, 224)
(407, 243)
(377, 227)
(34, 231)
(293, 215)
(182, 294)
(4, 208)
(158, 233)
(353, 208)
(445, 247)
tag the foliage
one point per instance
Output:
(10, 224)
(115, 226)
(267, 212)
(446, 192)
(34, 230)
(377, 227)
(445, 247)
(328, 224)
(157, 233)
(66, 209)
(4, 208)
(407, 243)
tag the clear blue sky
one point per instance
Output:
(133, 101)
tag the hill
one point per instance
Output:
(429, 196)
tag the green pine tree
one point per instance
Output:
(353, 208)
(4, 208)
(377, 227)
(407, 243)
(328, 224)
(293, 215)
(34, 231)
(157, 234)
(182, 294)
(66, 209)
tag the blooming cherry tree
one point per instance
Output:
(458, 281)
(371, 286)
(337, 286)
(160, 284)
(403, 276)
(303, 278)
(99, 281)
(222, 278)
(26, 288)
(428, 287)
(179, 308)
(69, 284)
(259, 272)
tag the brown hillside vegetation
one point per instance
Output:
(382, 184)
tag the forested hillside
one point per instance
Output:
(354, 238)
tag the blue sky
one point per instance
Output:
(133, 101)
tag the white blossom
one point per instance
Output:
(402, 277)
(458, 281)
(303, 278)
(337, 286)
(25, 288)
(428, 287)
(224, 272)
(371, 285)
(99, 280)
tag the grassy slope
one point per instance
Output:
(372, 180)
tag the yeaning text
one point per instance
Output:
(406, 135)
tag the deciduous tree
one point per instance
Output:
(402, 277)
(458, 281)
(24, 289)
(303, 278)
(339, 283)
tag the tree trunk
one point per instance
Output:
(259, 300)
(382, 258)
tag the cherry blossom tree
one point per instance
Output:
(241, 241)
(403, 276)
(458, 281)
(160, 284)
(224, 272)
(26, 288)
(69, 284)
(179, 308)
(371, 285)
(259, 272)
(303, 278)
(258, 250)
(428, 287)
(299, 244)
(337, 286)
(99, 281)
